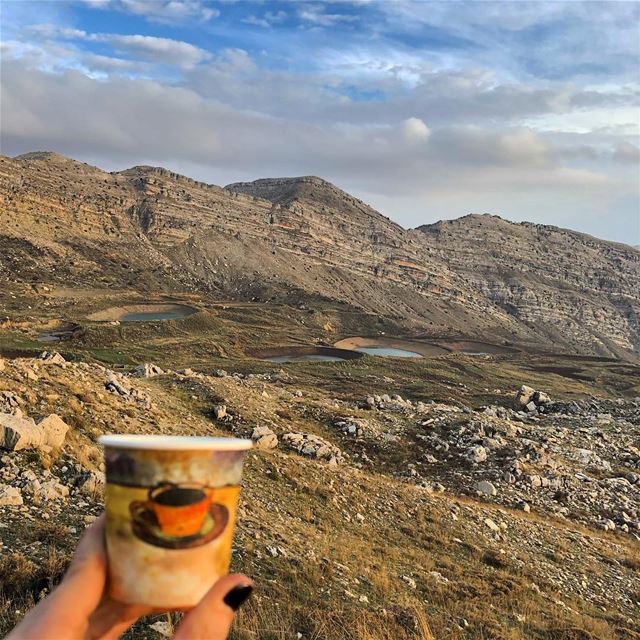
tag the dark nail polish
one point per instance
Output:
(237, 596)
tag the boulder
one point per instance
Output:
(19, 433)
(52, 490)
(477, 454)
(10, 403)
(147, 370)
(264, 438)
(313, 446)
(492, 525)
(541, 398)
(219, 411)
(52, 357)
(115, 384)
(93, 483)
(10, 496)
(55, 429)
(486, 487)
(523, 396)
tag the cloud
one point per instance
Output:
(164, 11)
(149, 48)
(626, 153)
(314, 14)
(415, 130)
(267, 20)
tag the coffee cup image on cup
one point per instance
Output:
(171, 508)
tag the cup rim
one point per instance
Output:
(174, 443)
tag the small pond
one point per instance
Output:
(149, 316)
(51, 337)
(292, 354)
(144, 313)
(308, 358)
(388, 351)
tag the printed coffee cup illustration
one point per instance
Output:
(171, 506)
(177, 516)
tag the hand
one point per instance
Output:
(79, 608)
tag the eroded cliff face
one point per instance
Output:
(566, 282)
(292, 240)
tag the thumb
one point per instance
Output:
(211, 618)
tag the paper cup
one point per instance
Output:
(171, 508)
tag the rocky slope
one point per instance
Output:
(555, 279)
(383, 514)
(302, 239)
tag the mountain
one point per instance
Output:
(560, 281)
(294, 240)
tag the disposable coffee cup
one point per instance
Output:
(171, 508)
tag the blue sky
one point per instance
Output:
(426, 110)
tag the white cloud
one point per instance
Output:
(267, 19)
(149, 48)
(314, 14)
(166, 11)
(415, 130)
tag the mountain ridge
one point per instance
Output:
(289, 239)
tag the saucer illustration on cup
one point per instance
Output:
(178, 516)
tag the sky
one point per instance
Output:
(425, 110)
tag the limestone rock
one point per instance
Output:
(93, 483)
(313, 446)
(523, 396)
(147, 370)
(55, 429)
(10, 496)
(492, 525)
(478, 454)
(264, 438)
(52, 490)
(52, 357)
(486, 487)
(19, 433)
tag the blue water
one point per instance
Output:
(389, 351)
(305, 358)
(49, 337)
(148, 316)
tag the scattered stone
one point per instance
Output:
(93, 483)
(220, 411)
(52, 490)
(264, 438)
(52, 357)
(313, 446)
(409, 581)
(477, 454)
(55, 429)
(19, 433)
(486, 487)
(10, 496)
(492, 525)
(523, 396)
(147, 370)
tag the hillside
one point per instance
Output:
(303, 240)
(560, 281)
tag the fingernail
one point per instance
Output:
(238, 596)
